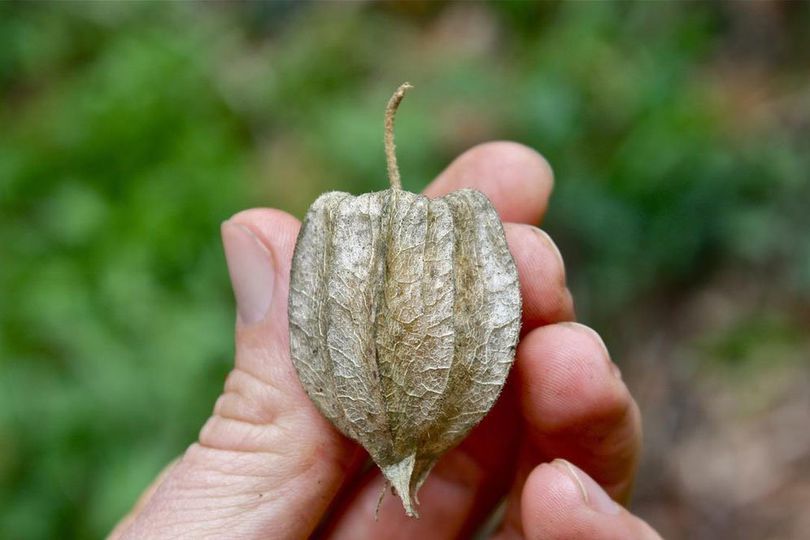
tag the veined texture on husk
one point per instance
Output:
(404, 317)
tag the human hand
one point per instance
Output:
(268, 465)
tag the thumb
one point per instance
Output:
(267, 464)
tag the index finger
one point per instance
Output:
(515, 178)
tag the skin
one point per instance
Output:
(268, 465)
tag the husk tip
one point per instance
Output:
(399, 475)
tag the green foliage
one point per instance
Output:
(129, 132)
(115, 308)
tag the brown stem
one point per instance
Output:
(390, 149)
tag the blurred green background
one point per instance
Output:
(680, 139)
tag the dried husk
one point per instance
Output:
(404, 317)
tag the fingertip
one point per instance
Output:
(276, 229)
(567, 378)
(516, 178)
(576, 406)
(563, 502)
(546, 299)
(546, 500)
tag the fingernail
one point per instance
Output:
(614, 369)
(592, 493)
(551, 244)
(250, 265)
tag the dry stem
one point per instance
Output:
(390, 149)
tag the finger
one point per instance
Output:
(576, 405)
(267, 464)
(515, 178)
(560, 501)
(546, 298)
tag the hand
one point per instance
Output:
(268, 465)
